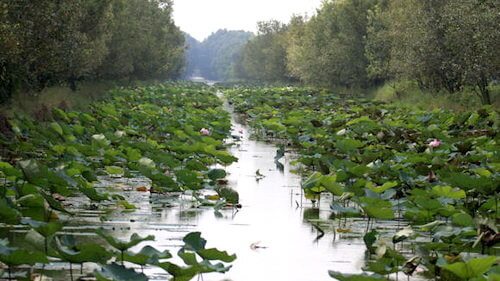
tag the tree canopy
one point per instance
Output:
(216, 57)
(440, 44)
(45, 42)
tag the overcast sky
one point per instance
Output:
(200, 18)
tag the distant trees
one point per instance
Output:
(264, 57)
(46, 42)
(441, 44)
(215, 58)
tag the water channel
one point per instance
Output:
(273, 235)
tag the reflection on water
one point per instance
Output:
(274, 216)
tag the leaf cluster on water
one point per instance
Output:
(438, 170)
(152, 132)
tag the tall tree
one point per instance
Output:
(264, 57)
(472, 36)
(145, 42)
(216, 57)
(331, 51)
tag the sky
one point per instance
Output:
(200, 18)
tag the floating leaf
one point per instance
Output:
(116, 272)
(115, 170)
(124, 245)
(354, 277)
(216, 174)
(474, 268)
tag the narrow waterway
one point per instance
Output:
(273, 216)
(271, 234)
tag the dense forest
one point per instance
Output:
(45, 43)
(445, 46)
(441, 45)
(217, 57)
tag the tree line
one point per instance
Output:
(216, 57)
(47, 42)
(440, 44)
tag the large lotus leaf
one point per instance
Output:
(207, 267)
(384, 265)
(188, 178)
(34, 173)
(230, 195)
(462, 219)
(180, 273)
(9, 171)
(8, 214)
(381, 188)
(329, 182)
(196, 165)
(164, 182)
(467, 182)
(147, 255)
(189, 258)
(353, 277)
(339, 209)
(59, 114)
(166, 159)
(114, 170)
(187, 273)
(194, 242)
(215, 174)
(348, 145)
(377, 208)
(427, 203)
(31, 201)
(46, 229)
(85, 253)
(116, 272)
(93, 194)
(17, 257)
(224, 157)
(312, 181)
(214, 254)
(123, 245)
(369, 238)
(474, 268)
(133, 154)
(56, 128)
(448, 192)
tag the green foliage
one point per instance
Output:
(434, 168)
(149, 131)
(441, 45)
(474, 268)
(115, 272)
(46, 43)
(264, 56)
(216, 58)
(353, 277)
(123, 245)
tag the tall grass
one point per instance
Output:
(408, 93)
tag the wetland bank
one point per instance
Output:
(289, 190)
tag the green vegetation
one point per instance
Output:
(170, 134)
(216, 57)
(47, 43)
(436, 170)
(441, 45)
